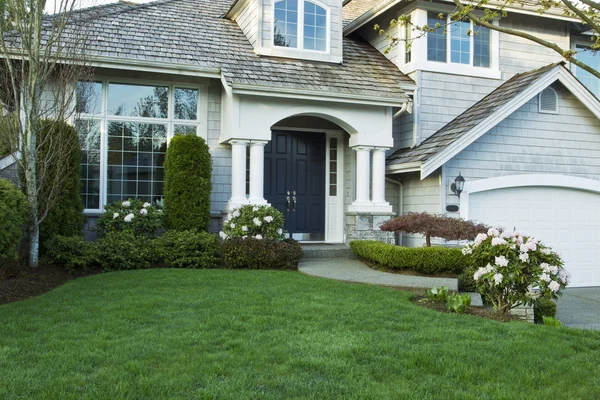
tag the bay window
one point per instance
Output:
(468, 44)
(300, 24)
(124, 129)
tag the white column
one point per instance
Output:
(378, 180)
(238, 175)
(257, 172)
(363, 164)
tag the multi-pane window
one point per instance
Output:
(469, 44)
(407, 41)
(333, 158)
(592, 59)
(124, 139)
(300, 24)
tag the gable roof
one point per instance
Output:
(463, 130)
(355, 9)
(194, 32)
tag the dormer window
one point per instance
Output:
(300, 24)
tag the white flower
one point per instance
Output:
(501, 261)
(554, 286)
(546, 251)
(255, 209)
(258, 237)
(545, 267)
(498, 278)
(143, 211)
(244, 237)
(146, 205)
(524, 257)
(236, 213)
(223, 235)
(493, 232)
(497, 241)
(532, 294)
(279, 231)
(228, 216)
(125, 204)
(115, 215)
(564, 276)
(128, 218)
(268, 219)
(478, 274)
(488, 268)
(479, 239)
(232, 225)
(257, 221)
(467, 250)
(513, 246)
(553, 269)
(545, 277)
(244, 228)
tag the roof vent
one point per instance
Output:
(548, 101)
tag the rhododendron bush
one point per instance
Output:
(132, 215)
(254, 221)
(512, 269)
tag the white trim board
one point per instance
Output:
(558, 73)
(531, 180)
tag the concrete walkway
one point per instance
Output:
(350, 270)
(580, 308)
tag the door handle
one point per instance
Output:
(294, 200)
(287, 198)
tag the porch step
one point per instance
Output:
(326, 251)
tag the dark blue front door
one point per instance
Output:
(295, 181)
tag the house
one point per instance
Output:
(303, 108)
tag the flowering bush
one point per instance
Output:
(132, 215)
(509, 265)
(258, 222)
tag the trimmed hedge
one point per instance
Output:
(14, 211)
(66, 217)
(261, 253)
(187, 183)
(188, 249)
(71, 252)
(429, 260)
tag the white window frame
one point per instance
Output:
(301, 29)
(419, 50)
(574, 68)
(201, 122)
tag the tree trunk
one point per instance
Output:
(32, 195)
(428, 240)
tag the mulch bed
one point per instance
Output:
(19, 283)
(483, 312)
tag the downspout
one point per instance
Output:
(399, 204)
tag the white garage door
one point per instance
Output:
(566, 219)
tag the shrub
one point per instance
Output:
(509, 264)
(261, 253)
(65, 217)
(431, 225)
(260, 222)
(466, 283)
(458, 303)
(551, 321)
(543, 307)
(73, 253)
(435, 294)
(14, 211)
(429, 260)
(187, 183)
(132, 216)
(188, 249)
(122, 251)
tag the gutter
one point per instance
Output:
(402, 168)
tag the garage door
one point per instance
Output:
(564, 218)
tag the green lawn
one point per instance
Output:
(160, 334)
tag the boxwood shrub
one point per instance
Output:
(14, 210)
(188, 249)
(122, 251)
(71, 252)
(187, 183)
(543, 307)
(261, 253)
(428, 260)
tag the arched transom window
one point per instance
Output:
(300, 24)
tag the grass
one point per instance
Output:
(267, 334)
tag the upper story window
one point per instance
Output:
(592, 59)
(300, 24)
(468, 44)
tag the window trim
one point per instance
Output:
(578, 41)
(300, 47)
(201, 122)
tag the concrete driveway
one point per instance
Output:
(580, 308)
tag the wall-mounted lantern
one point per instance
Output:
(458, 185)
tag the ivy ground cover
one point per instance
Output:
(170, 333)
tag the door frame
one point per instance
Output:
(334, 205)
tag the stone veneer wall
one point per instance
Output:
(365, 226)
(523, 312)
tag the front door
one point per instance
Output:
(295, 181)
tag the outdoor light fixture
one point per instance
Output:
(458, 185)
